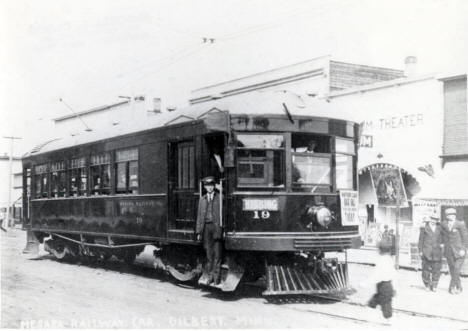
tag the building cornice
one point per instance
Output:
(379, 85)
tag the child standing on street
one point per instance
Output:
(383, 276)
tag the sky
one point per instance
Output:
(89, 52)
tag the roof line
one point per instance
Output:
(368, 66)
(260, 73)
(379, 85)
(6, 157)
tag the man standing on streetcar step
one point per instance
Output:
(455, 245)
(209, 228)
(430, 248)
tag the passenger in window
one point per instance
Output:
(310, 148)
(209, 226)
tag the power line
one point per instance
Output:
(272, 24)
(170, 63)
(142, 68)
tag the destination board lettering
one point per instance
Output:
(260, 204)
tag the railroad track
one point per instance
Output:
(344, 317)
(359, 317)
(395, 310)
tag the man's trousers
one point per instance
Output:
(431, 272)
(213, 248)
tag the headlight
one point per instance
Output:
(321, 214)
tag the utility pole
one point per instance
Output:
(6, 221)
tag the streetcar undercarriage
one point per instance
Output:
(280, 273)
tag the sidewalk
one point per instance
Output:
(411, 293)
(367, 255)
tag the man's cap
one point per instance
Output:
(434, 215)
(208, 180)
(450, 211)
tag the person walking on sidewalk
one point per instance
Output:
(455, 246)
(383, 276)
(430, 248)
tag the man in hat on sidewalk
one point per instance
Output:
(455, 246)
(430, 248)
(209, 228)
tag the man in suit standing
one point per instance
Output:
(455, 246)
(209, 228)
(430, 248)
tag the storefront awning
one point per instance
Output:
(448, 187)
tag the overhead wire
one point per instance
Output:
(187, 51)
(187, 54)
(119, 83)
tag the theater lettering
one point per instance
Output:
(395, 122)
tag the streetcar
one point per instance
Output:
(286, 171)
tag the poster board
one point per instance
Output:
(349, 201)
(388, 187)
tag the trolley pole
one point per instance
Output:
(6, 221)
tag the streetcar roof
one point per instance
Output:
(254, 103)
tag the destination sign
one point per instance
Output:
(260, 204)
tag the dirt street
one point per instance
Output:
(40, 292)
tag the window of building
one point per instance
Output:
(185, 165)
(345, 152)
(78, 176)
(455, 144)
(28, 181)
(41, 175)
(99, 173)
(260, 159)
(126, 168)
(58, 180)
(311, 163)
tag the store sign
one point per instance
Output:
(366, 141)
(349, 208)
(388, 187)
(394, 122)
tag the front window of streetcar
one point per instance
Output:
(260, 160)
(345, 152)
(311, 163)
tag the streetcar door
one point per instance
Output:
(183, 189)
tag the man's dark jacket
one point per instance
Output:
(430, 242)
(202, 209)
(455, 240)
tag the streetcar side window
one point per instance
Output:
(126, 171)
(58, 180)
(260, 160)
(311, 163)
(345, 152)
(99, 171)
(78, 176)
(41, 180)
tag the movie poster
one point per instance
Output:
(388, 187)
